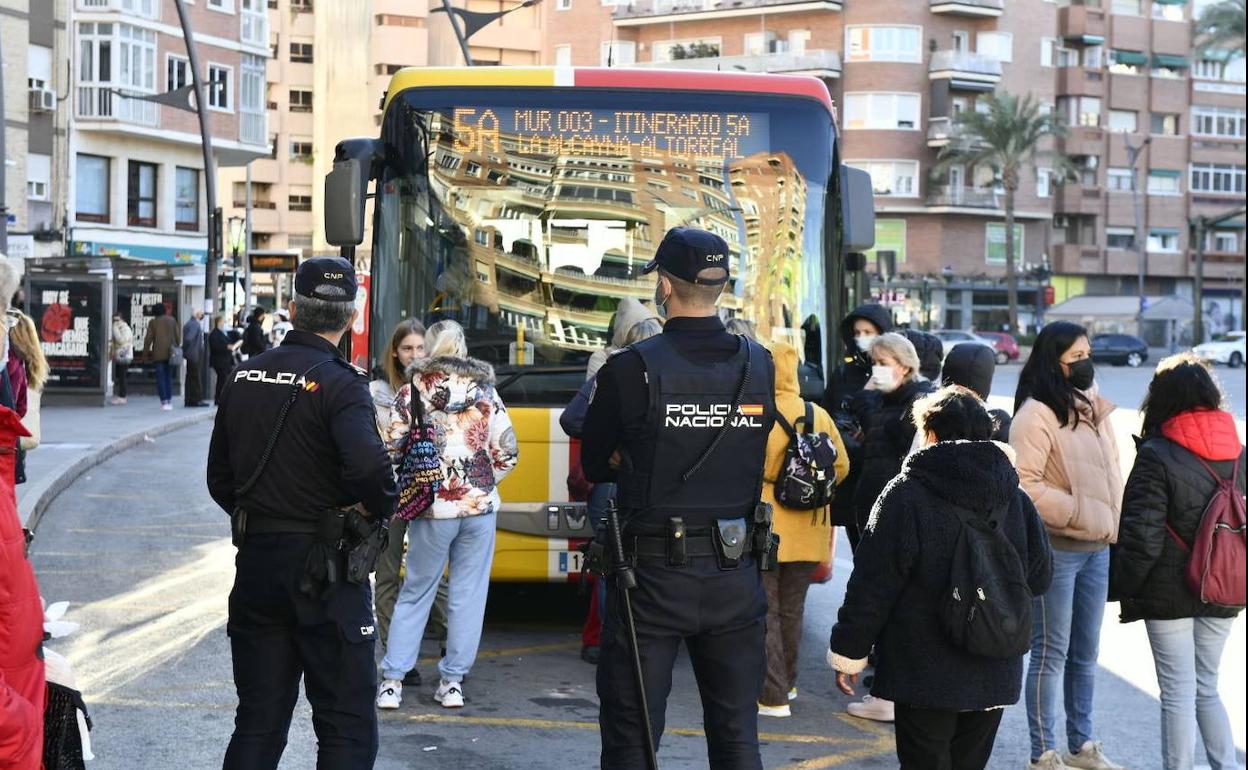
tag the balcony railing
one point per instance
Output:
(641, 9)
(965, 197)
(942, 131)
(811, 61)
(148, 9)
(253, 128)
(98, 102)
(967, 7)
(963, 64)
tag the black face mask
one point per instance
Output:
(1081, 374)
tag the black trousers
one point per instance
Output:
(279, 636)
(933, 739)
(194, 392)
(721, 617)
(223, 374)
(120, 373)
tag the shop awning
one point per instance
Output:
(1163, 231)
(1216, 54)
(1087, 39)
(1165, 173)
(1170, 2)
(1169, 60)
(1130, 57)
(1230, 224)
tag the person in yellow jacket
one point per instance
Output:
(805, 540)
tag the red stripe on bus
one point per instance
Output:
(787, 85)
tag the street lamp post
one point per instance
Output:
(1137, 204)
(237, 235)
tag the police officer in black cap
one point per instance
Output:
(297, 461)
(680, 423)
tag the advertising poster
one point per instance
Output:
(134, 304)
(70, 330)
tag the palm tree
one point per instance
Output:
(1006, 137)
(1222, 26)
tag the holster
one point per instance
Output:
(238, 526)
(364, 541)
(766, 545)
(323, 566)
(597, 554)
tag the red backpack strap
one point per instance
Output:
(1186, 548)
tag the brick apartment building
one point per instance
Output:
(1116, 70)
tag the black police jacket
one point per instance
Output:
(329, 454)
(661, 403)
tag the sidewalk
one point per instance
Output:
(75, 439)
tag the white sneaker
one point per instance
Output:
(166, 407)
(389, 694)
(774, 711)
(1049, 760)
(793, 694)
(1091, 757)
(449, 694)
(876, 709)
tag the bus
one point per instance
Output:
(523, 203)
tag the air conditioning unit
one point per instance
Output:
(42, 100)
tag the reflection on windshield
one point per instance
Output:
(531, 225)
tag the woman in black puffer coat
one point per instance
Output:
(901, 573)
(1185, 437)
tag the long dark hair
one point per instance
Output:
(1042, 377)
(391, 366)
(1182, 383)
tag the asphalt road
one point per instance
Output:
(143, 555)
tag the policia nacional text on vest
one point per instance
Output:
(690, 478)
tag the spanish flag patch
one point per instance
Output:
(751, 410)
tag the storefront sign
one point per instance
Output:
(162, 254)
(70, 329)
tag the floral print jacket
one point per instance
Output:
(472, 429)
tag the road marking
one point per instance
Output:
(879, 748)
(515, 651)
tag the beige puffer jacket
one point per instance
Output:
(1072, 476)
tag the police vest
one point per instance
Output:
(690, 405)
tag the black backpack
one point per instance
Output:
(807, 480)
(987, 607)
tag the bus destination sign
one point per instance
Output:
(610, 133)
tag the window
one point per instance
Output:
(1067, 57)
(1094, 56)
(301, 53)
(177, 72)
(141, 194)
(877, 43)
(253, 23)
(221, 5)
(301, 6)
(1224, 241)
(1164, 123)
(300, 101)
(1119, 179)
(1044, 183)
(994, 243)
(253, 123)
(1080, 110)
(996, 45)
(1167, 11)
(220, 96)
(1217, 121)
(1125, 7)
(1127, 62)
(91, 188)
(619, 53)
(1163, 182)
(674, 50)
(1048, 51)
(881, 110)
(1122, 121)
(299, 198)
(1163, 240)
(563, 5)
(1217, 178)
(186, 199)
(1120, 238)
(563, 56)
(896, 178)
(301, 149)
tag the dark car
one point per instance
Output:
(1119, 349)
(1005, 344)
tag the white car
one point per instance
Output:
(951, 337)
(1229, 350)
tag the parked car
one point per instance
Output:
(1119, 349)
(1228, 350)
(1006, 345)
(951, 337)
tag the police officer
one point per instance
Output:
(292, 613)
(680, 423)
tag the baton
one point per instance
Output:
(626, 581)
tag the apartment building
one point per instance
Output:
(901, 72)
(332, 62)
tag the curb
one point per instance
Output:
(45, 491)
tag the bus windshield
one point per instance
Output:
(527, 215)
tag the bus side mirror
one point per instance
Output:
(857, 211)
(346, 189)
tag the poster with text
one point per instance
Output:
(70, 330)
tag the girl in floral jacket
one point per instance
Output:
(478, 449)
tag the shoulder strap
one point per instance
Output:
(810, 417)
(785, 426)
(736, 405)
(295, 389)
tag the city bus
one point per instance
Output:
(523, 203)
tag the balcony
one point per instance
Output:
(965, 71)
(942, 131)
(1080, 81)
(98, 102)
(1084, 140)
(147, 9)
(643, 12)
(253, 128)
(1081, 25)
(1077, 199)
(819, 62)
(978, 8)
(959, 196)
(1076, 258)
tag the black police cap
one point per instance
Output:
(331, 279)
(686, 252)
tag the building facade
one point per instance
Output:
(901, 72)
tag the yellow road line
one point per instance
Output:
(879, 748)
(866, 726)
(515, 651)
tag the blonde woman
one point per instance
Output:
(24, 338)
(478, 449)
(121, 353)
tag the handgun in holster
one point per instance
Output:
(363, 540)
(597, 554)
(766, 541)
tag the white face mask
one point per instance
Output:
(883, 378)
(864, 342)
